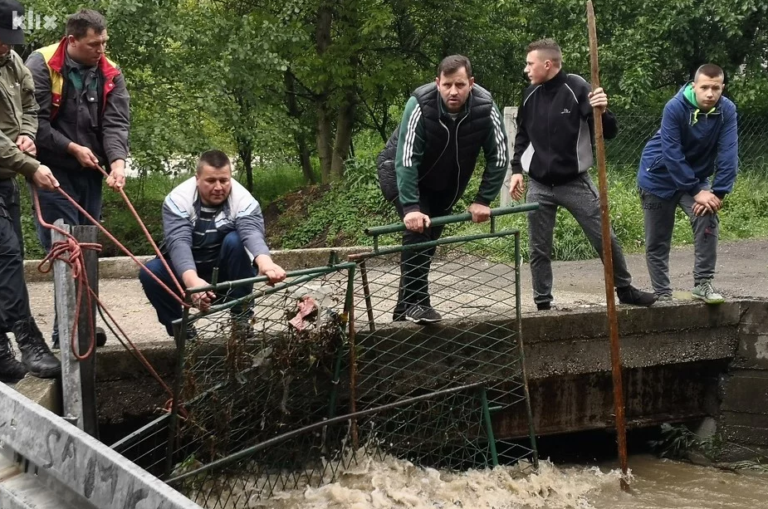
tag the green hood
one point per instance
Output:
(690, 96)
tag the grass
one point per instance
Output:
(744, 216)
(337, 215)
(147, 194)
(340, 216)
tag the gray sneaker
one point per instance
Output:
(422, 315)
(704, 291)
(665, 297)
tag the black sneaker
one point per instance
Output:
(631, 295)
(543, 306)
(422, 315)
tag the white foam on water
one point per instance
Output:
(391, 483)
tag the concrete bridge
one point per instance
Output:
(683, 361)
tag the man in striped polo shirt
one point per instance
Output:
(443, 129)
(209, 221)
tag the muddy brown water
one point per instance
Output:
(656, 483)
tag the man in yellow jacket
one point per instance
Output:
(84, 120)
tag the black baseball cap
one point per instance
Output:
(10, 11)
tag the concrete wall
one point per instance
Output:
(673, 357)
(682, 361)
(744, 389)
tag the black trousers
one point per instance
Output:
(415, 264)
(14, 298)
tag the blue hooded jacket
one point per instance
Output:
(688, 148)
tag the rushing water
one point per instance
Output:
(656, 483)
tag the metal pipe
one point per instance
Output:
(367, 296)
(489, 427)
(456, 218)
(178, 384)
(304, 276)
(519, 322)
(335, 381)
(352, 366)
(349, 304)
(431, 243)
(228, 285)
(139, 435)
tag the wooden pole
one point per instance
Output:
(613, 325)
(86, 330)
(65, 299)
(78, 377)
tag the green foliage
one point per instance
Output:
(261, 79)
(147, 194)
(340, 216)
(32, 248)
(271, 181)
(678, 441)
(279, 85)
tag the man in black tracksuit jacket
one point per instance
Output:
(556, 120)
(427, 164)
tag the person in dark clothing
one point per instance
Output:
(84, 120)
(555, 119)
(427, 164)
(698, 141)
(18, 125)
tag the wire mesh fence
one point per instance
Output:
(473, 283)
(625, 150)
(285, 387)
(311, 456)
(147, 446)
(259, 365)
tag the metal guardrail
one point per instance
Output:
(456, 218)
(81, 471)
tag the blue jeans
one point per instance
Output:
(84, 186)
(233, 263)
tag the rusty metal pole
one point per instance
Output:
(613, 325)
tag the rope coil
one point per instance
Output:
(70, 251)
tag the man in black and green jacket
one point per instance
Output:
(444, 127)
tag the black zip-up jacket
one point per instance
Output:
(437, 154)
(556, 119)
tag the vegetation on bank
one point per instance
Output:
(300, 92)
(337, 214)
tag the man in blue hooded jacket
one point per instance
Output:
(698, 139)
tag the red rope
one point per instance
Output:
(146, 234)
(70, 251)
(110, 237)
